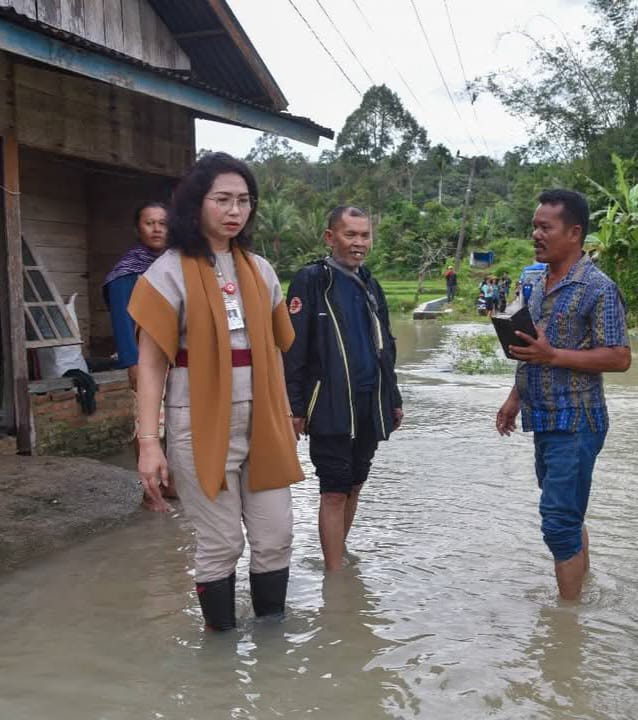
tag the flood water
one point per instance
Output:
(447, 608)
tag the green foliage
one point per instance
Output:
(582, 97)
(477, 355)
(615, 244)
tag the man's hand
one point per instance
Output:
(132, 377)
(538, 352)
(299, 426)
(397, 415)
(506, 416)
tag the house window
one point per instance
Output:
(47, 322)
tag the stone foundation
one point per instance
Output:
(59, 427)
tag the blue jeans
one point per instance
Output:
(564, 466)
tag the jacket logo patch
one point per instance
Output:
(295, 306)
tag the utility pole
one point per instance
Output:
(466, 205)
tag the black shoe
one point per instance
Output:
(217, 599)
(268, 592)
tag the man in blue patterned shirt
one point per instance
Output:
(580, 320)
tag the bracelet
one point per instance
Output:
(155, 436)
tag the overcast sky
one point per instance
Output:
(315, 88)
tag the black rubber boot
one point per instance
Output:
(268, 592)
(217, 599)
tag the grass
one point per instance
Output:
(400, 294)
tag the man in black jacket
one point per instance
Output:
(340, 372)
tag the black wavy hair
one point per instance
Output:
(149, 204)
(184, 231)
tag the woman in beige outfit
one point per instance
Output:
(214, 313)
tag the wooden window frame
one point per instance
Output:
(44, 304)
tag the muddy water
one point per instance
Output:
(447, 608)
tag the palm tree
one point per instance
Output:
(310, 229)
(442, 158)
(276, 217)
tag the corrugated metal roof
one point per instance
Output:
(181, 76)
(220, 51)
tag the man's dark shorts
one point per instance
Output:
(341, 462)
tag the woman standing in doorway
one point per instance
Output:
(215, 312)
(151, 227)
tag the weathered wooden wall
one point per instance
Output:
(89, 154)
(84, 118)
(128, 26)
(53, 205)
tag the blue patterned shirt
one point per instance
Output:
(583, 311)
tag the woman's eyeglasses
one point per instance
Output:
(227, 202)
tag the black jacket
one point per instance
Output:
(317, 370)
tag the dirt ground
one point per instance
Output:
(49, 503)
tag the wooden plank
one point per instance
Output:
(94, 21)
(6, 93)
(132, 23)
(43, 208)
(54, 235)
(49, 12)
(13, 231)
(72, 16)
(149, 21)
(113, 28)
(79, 117)
(68, 261)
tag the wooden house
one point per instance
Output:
(98, 100)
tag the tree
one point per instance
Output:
(615, 244)
(380, 135)
(442, 157)
(277, 218)
(581, 97)
(274, 161)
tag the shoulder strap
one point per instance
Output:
(372, 301)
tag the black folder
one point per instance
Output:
(507, 326)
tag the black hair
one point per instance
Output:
(184, 230)
(144, 206)
(335, 215)
(575, 208)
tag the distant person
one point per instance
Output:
(526, 291)
(487, 290)
(481, 305)
(340, 372)
(450, 283)
(501, 303)
(582, 333)
(150, 222)
(506, 282)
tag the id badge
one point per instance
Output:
(233, 313)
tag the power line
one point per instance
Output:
(395, 68)
(346, 43)
(332, 57)
(438, 67)
(465, 80)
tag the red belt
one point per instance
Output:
(240, 358)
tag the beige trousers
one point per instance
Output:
(267, 515)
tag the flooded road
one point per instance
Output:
(447, 609)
